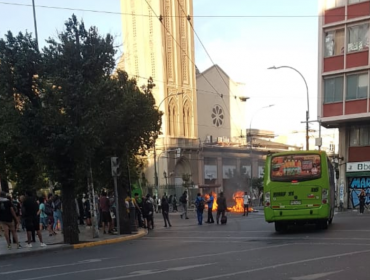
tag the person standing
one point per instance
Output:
(210, 201)
(174, 203)
(165, 212)
(81, 209)
(155, 203)
(148, 212)
(43, 218)
(362, 198)
(29, 210)
(199, 204)
(184, 203)
(221, 207)
(246, 199)
(104, 207)
(7, 215)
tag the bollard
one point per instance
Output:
(133, 218)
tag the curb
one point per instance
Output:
(63, 247)
(110, 241)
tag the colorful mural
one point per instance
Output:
(355, 186)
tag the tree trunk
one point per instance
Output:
(124, 221)
(70, 219)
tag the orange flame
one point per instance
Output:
(206, 197)
(239, 203)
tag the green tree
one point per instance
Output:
(73, 113)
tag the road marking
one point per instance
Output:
(155, 262)
(151, 272)
(282, 265)
(53, 266)
(315, 276)
(5, 265)
(255, 238)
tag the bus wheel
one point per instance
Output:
(323, 224)
(280, 227)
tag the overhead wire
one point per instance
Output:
(174, 16)
(213, 63)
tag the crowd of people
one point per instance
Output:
(30, 214)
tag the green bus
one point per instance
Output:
(299, 188)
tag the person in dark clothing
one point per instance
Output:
(221, 206)
(199, 203)
(362, 198)
(210, 201)
(81, 209)
(148, 211)
(7, 217)
(165, 211)
(29, 210)
(174, 203)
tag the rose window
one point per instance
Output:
(217, 115)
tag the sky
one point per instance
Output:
(244, 37)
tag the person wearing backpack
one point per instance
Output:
(148, 211)
(199, 204)
(184, 202)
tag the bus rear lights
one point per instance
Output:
(324, 201)
(267, 204)
(295, 182)
(311, 196)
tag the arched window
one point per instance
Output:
(172, 118)
(186, 119)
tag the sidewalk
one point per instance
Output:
(55, 242)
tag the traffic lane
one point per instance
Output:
(283, 260)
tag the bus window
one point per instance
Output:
(301, 167)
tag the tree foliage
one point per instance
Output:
(67, 110)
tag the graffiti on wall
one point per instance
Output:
(356, 184)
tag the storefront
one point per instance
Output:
(358, 177)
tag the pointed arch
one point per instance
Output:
(172, 117)
(186, 119)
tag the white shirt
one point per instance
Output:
(246, 198)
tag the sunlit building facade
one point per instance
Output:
(343, 91)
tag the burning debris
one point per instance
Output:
(206, 197)
(238, 197)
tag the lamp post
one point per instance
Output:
(308, 102)
(155, 149)
(251, 140)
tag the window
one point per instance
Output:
(357, 86)
(334, 43)
(330, 4)
(295, 167)
(333, 90)
(356, 1)
(358, 38)
(359, 136)
(217, 116)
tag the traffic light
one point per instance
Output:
(115, 166)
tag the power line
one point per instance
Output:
(174, 16)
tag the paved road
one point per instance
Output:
(246, 248)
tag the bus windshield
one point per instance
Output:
(300, 167)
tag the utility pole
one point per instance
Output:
(35, 23)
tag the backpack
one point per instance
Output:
(183, 199)
(200, 204)
(48, 209)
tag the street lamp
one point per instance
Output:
(308, 103)
(251, 140)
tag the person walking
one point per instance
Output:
(199, 204)
(7, 218)
(165, 212)
(246, 201)
(29, 210)
(362, 198)
(57, 214)
(184, 202)
(210, 201)
(221, 207)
